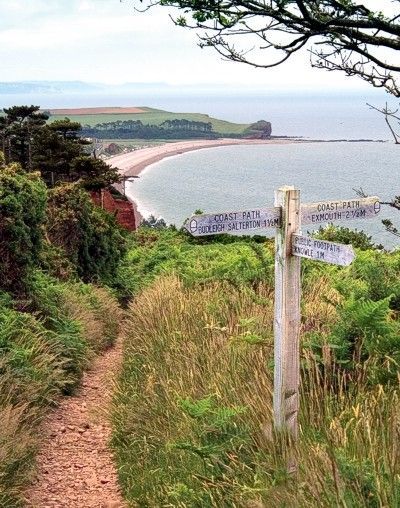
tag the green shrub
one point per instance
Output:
(358, 239)
(366, 330)
(153, 222)
(90, 237)
(22, 214)
(156, 252)
(82, 319)
(31, 364)
(54, 262)
(379, 272)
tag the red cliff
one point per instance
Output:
(120, 207)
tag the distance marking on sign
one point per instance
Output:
(340, 210)
(321, 250)
(244, 222)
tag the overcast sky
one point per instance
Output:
(107, 41)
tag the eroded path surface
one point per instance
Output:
(75, 467)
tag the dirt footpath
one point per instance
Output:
(75, 467)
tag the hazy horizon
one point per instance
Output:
(108, 41)
(92, 86)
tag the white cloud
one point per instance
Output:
(108, 41)
(63, 33)
(85, 5)
(86, 24)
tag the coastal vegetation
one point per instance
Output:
(59, 256)
(193, 406)
(171, 129)
(57, 149)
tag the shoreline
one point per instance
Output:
(134, 163)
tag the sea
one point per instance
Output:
(349, 148)
(244, 177)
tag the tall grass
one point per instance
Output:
(193, 407)
(42, 354)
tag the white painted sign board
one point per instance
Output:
(244, 222)
(321, 250)
(340, 210)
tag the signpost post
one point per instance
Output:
(290, 246)
(287, 315)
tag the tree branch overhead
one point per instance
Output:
(340, 34)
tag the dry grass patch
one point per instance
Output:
(98, 313)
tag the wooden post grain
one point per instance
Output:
(287, 315)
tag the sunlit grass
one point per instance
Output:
(193, 408)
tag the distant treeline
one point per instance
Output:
(170, 129)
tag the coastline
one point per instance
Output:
(134, 163)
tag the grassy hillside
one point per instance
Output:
(193, 407)
(156, 117)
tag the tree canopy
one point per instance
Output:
(23, 200)
(359, 38)
(17, 129)
(55, 149)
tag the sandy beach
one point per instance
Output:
(133, 163)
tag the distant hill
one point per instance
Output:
(61, 87)
(50, 87)
(99, 117)
(148, 116)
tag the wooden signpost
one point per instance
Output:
(241, 222)
(321, 250)
(340, 210)
(287, 315)
(290, 247)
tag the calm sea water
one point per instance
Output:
(240, 177)
(227, 178)
(315, 115)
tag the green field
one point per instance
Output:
(156, 117)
